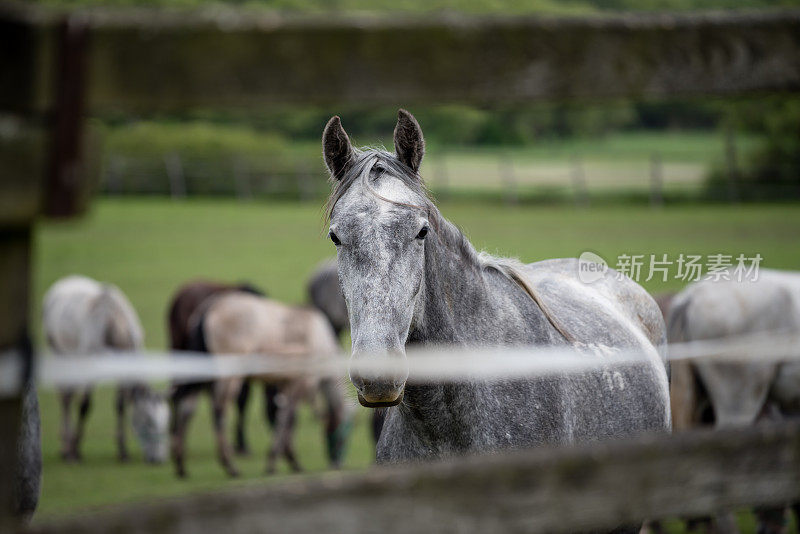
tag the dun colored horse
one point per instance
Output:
(186, 301)
(235, 322)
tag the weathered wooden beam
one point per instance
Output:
(23, 145)
(27, 50)
(151, 61)
(42, 115)
(592, 487)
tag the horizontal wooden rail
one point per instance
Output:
(594, 486)
(155, 61)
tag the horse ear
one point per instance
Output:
(336, 148)
(408, 141)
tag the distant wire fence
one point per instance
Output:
(648, 178)
(429, 365)
(178, 176)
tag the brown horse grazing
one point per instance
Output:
(186, 301)
(240, 323)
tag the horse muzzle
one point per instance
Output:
(380, 404)
(379, 387)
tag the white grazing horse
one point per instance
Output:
(83, 316)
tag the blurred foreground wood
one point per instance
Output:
(57, 68)
(595, 486)
(149, 60)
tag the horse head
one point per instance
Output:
(150, 421)
(379, 213)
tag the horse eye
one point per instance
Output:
(422, 233)
(334, 238)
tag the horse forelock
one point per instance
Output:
(366, 160)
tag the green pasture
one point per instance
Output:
(150, 246)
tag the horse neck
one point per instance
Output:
(461, 296)
(463, 302)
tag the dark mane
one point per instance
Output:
(366, 159)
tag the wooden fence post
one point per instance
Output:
(14, 290)
(305, 182)
(506, 170)
(442, 177)
(45, 171)
(242, 179)
(656, 181)
(177, 181)
(578, 176)
(731, 164)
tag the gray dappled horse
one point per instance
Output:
(736, 394)
(410, 276)
(83, 316)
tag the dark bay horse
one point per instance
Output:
(410, 276)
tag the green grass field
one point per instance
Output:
(149, 246)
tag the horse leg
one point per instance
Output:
(66, 424)
(288, 443)
(286, 401)
(119, 408)
(83, 411)
(270, 403)
(224, 392)
(184, 403)
(241, 409)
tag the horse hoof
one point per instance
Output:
(123, 458)
(243, 452)
(232, 472)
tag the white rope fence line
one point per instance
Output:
(422, 364)
(430, 364)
